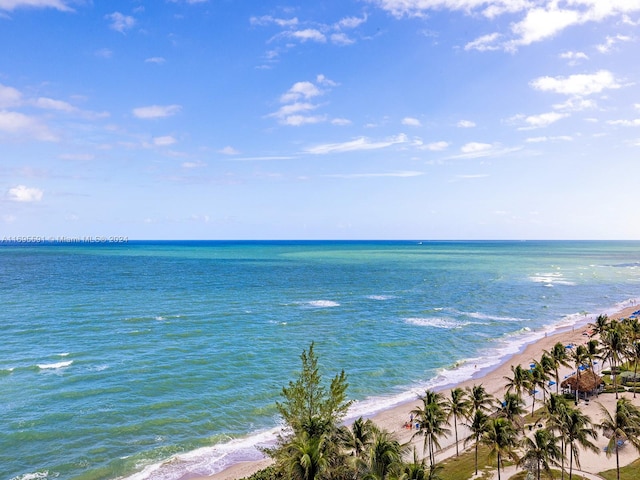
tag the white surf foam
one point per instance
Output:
(380, 297)
(322, 304)
(436, 322)
(53, 366)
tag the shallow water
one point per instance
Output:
(116, 358)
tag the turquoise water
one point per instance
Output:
(117, 358)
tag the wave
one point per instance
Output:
(53, 366)
(550, 279)
(436, 322)
(32, 476)
(380, 297)
(322, 304)
(485, 316)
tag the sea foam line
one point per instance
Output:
(49, 366)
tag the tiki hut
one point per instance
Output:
(587, 383)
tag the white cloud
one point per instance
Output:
(322, 80)
(190, 165)
(436, 146)
(103, 53)
(83, 157)
(576, 104)
(351, 22)
(564, 138)
(359, 144)
(9, 97)
(156, 60)
(156, 111)
(298, 120)
(580, 84)
(24, 194)
(164, 141)
(466, 124)
(574, 57)
(540, 23)
(404, 174)
(341, 39)
(268, 20)
(21, 125)
(51, 104)
(229, 150)
(308, 34)
(475, 147)
(626, 123)
(341, 122)
(544, 119)
(13, 4)
(411, 122)
(120, 22)
(607, 46)
(484, 43)
(300, 90)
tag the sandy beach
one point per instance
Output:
(394, 418)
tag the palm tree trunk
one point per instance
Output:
(564, 454)
(455, 427)
(477, 456)
(617, 463)
(635, 375)
(498, 466)
(570, 462)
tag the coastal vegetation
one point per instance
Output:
(546, 443)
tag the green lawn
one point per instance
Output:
(630, 472)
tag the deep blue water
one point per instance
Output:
(117, 357)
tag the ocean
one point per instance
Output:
(163, 360)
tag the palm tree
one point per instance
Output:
(556, 412)
(416, 470)
(632, 326)
(600, 325)
(303, 458)
(478, 424)
(511, 408)
(458, 405)
(359, 437)
(479, 398)
(624, 426)
(538, 379)
(558, 355)
(576, 430)
(541, 451)
(432, 417)
(383, 457)
(614, 346)
(579, 355)
(500, 437)
(520, 381)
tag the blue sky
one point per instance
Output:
(360, 119)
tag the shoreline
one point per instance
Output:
(394, 417)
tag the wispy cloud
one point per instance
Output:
(119, 22)
(19, 125)
(156, 60)
(358, 144)
(404, 174)
(466, 124)
(156, 111)
(229, 150)
(297, 107)
(411, 122)
(11, 5)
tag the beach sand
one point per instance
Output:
(394, 418)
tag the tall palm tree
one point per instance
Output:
(432, 418)
(541, 451)
(614, 345)
(539, 379)
(623, 426)
(556, 408)
(520, 381)
(577, 431)
(479, 398)
(600, 325)
(457, 405)
(511, 408)
(501, 438)
(632, 326)
(580, 358)
(478, 424)
(559, 356)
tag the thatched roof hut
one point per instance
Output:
(586, 382)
